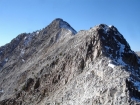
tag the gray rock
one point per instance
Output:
(58, 66)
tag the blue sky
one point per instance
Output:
(18, 16)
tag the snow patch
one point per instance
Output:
(25, 37)
(6, 60)
(22, 52)
(23, 60)
(121, 51)
(62, 34)
(120, 61)
(37, 32)
(29, 38)
(110, 26)
(111, 65)
(66, 26)
(106, 29)
(122, 46)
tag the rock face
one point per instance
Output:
(58, 66)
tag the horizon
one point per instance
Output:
(19, 17)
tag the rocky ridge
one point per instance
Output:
(58, 66)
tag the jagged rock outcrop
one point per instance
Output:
(54, 66)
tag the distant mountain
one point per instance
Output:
(138, 52)
(59, 66)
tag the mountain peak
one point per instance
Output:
(58, 19)
(55, 66)
(63, 24)
(114, 45)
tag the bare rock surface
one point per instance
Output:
(58, 66)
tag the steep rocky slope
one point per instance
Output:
(58, 66)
